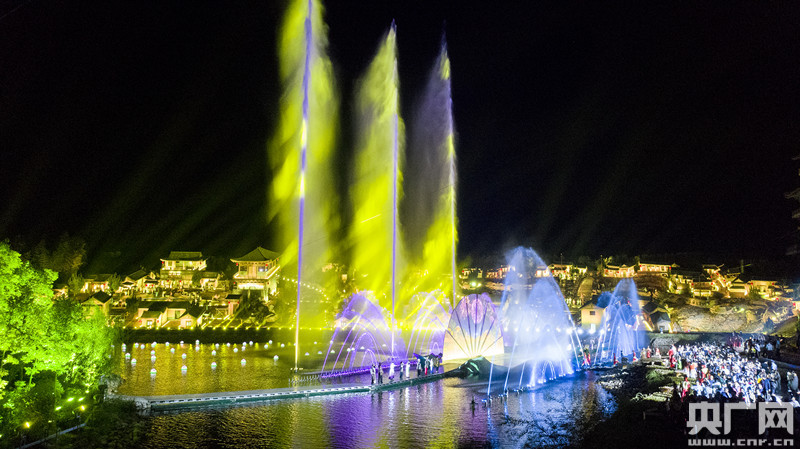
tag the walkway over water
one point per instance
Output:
(179, 402)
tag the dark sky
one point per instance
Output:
(583, 128)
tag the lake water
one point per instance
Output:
(435, 414)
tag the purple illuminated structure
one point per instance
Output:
(363, 336)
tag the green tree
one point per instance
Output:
(43, 339)
(25, 300)
(75, 284)
(197, 276)
(114, 282)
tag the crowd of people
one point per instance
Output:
(425, 366)
(731, 373)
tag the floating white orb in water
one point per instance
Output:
(244, 362)
(153, 372)
(315, 342)
(270, 342)
(153, 352)
(213, 352)
(154, 344)
(197, 348)
(133, 362)
(213, 365)
(235, 349)
(281, 345)
(172, 350)
(127, 355)
(275, 358)
(166, 344)
(251, 342)
(362, 348)
(184, 369)
(320, 352)
(228, 344)
(306, 353)
(183, 356)
(153, 358)
(197, 342)
(217, 345)
(243, 348)
(332, 351)
(181, 341)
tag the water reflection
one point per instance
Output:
(434, 414)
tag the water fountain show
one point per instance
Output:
(400, 239)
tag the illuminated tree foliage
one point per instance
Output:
(46, 343)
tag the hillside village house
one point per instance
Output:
(656, 268)
(591, 315)
(98, 301)
(566, 271)
(95, 283)
(157, 314)
(179, 268)
(619, 271)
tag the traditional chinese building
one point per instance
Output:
(178, 270)
(257, 270)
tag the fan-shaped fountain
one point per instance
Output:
(429, 315)
(474, 330)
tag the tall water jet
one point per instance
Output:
(376, 186)
(429, 209)
(301, 196)
(540, 334)
(622, 330)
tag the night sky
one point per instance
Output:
(582, 129)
